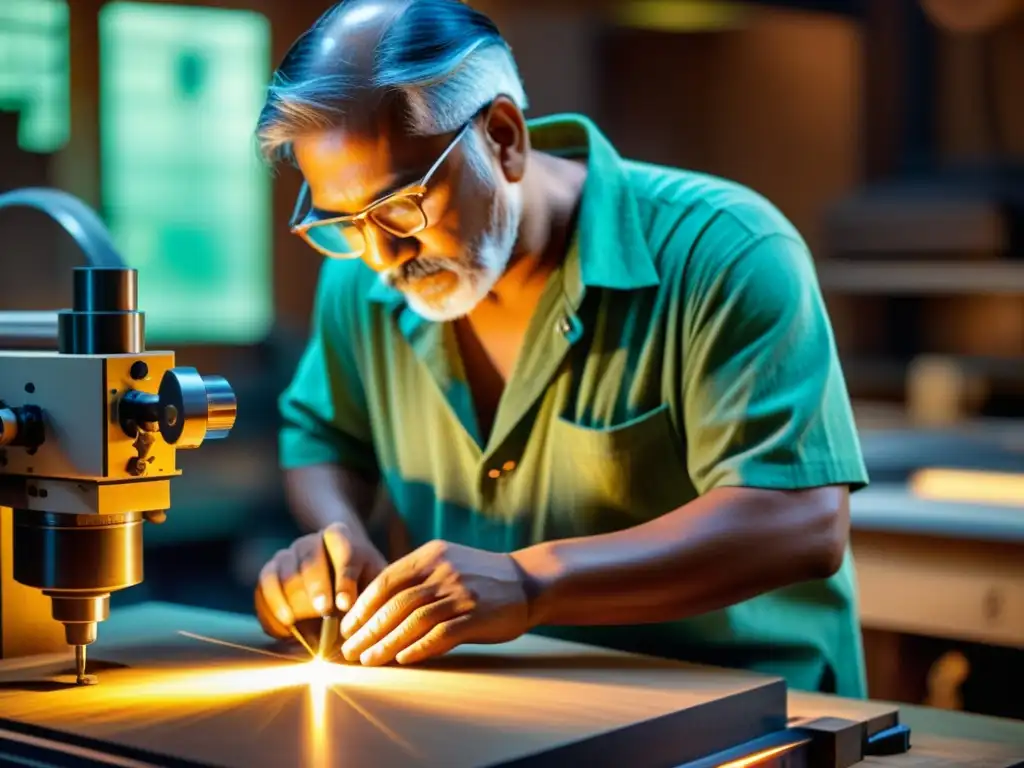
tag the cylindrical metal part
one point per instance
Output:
(105, 289)
(104, 319)
(102, 333)
(28, 330)
(79, 615)
(195, 408)
(77, 554)
(82, 609)
(223, 407)
(78, 560)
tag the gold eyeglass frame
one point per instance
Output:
(414, 192)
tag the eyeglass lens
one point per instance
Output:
(401, 217)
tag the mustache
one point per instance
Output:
(420, 267)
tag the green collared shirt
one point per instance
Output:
(682, 346)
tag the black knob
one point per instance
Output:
(22, 426)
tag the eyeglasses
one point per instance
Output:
(399, 213)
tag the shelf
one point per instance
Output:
(917, 278)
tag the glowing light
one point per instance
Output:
(302, 641)
(319, 672)
(760, 757)
(239, 681)
(1000, 488)
(237, 646)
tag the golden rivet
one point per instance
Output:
(494, 474)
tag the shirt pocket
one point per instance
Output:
(609, 478)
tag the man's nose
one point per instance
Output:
(383, 250)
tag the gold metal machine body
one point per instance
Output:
(90, 424)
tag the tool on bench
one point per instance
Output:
(330, 637)
(90, 423)
(330, 628)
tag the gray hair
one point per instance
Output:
(444, 59)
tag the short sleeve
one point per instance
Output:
(764, 399)
(323, 410)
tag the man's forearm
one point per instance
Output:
(326, 493)
(729, 545)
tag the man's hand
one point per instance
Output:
(296, 583)
(438, 597)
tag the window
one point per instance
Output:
(185, 196)
(34, 71)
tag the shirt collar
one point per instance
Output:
(610, 239)
(610, 244)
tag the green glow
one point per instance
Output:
(186, 198)
(35, 70)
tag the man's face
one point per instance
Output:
(472, 211)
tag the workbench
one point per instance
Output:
(951, 571)
(184, 687)
(911, 552)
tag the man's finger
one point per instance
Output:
(398, 576)
(273, 594)
(293, 586)
(415, 627)
(271, 617)
(346, 572)
(438, 641)
(388, 618)
(316, 578)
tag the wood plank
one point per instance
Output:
(209, 688)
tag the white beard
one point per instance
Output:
(491, 254)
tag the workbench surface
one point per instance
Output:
(892, 508)
(208, 687)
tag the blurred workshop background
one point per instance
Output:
(890, 131)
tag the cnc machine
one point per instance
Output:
(90, 424)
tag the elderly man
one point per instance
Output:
(603, 396)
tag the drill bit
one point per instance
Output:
(80, 665)
(330, 637)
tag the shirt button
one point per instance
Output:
(494, 474)
(508, 466)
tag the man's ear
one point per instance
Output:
(507, 137)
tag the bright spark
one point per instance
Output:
(237, 646)
(318, 675)
(302, 640)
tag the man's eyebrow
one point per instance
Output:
(406, 179)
